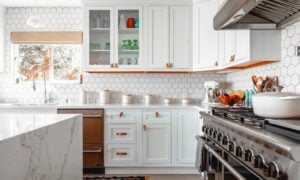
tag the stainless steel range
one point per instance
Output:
(236, 144)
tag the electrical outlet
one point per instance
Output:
(298, 51)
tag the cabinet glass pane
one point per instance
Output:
(128, 37)
(100, 41)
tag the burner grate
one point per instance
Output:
(244, 115)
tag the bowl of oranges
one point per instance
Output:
(232, 97)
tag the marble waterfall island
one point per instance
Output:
(40, 146)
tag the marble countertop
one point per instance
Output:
(200, 107)
(12, 125)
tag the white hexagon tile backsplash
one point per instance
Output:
(160, 85)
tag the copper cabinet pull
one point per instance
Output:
(116, 65)
(121, 114)
(232, 58)
(93, 151)
(167, 65)
(145, 127)
(121, 133)
(216, 63)
(121, 153)
(171, 65)
(156, 115)
(111, 65)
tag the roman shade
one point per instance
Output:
(74, 37)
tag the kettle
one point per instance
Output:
(212, 92)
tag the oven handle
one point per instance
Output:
(233, 171)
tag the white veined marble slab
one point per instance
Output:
(12, 125)
(36, 147)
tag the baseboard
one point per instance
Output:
(151, 170)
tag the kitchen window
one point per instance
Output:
(51, 56)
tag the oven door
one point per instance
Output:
(216, 163)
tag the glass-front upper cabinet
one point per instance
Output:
(100, 51)
(128, 43)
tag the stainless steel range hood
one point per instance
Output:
(257, 14)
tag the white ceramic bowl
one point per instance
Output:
(276, 104)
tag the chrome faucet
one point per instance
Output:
(45, 88)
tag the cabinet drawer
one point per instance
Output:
(157, 117)
(121, 133)
(121, 154)
(93, 160)
(122, 116)
(84, 112)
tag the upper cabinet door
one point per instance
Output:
(242, 45)
(229, 46)
(99, 38)
(128, 41)
(206, 55)
(180, 37)
(158, 42)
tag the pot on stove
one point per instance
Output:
(276, 104)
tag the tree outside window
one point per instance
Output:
(56, 62)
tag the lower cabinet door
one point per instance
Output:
(121, 154)
(187, 129)
(157, 143)
(93, 156)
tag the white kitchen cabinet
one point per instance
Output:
(97, 35)
(246, 48)
(169, 38)
(150, 138)
(206, 41)
(110, 46)
(121, 139)
(2, 18)
(157, 137)
(187, 129)
(157, 143)
(129, 41)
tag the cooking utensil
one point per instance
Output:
(276, 104)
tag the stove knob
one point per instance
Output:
(248, 155)
(265, 168)
(239, 151)
(207, 130)
(203, 129)
(274, 170)
(259, 161)
(225, 140)
(215, 134)
(231, 146)
(211, 131)
(220, 135)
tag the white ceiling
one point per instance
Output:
(39, 3)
